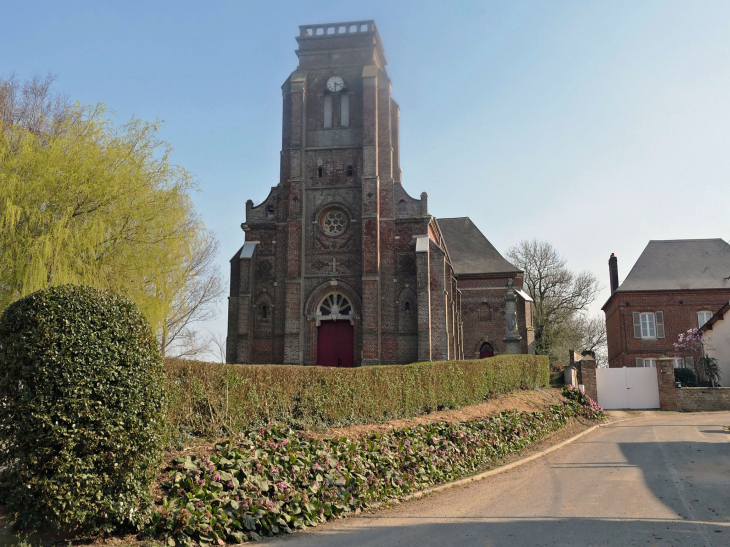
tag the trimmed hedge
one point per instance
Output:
(81, 410)
(209, 398)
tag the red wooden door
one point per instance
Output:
(334, 344)
(486, 350)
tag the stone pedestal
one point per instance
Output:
(512, 339)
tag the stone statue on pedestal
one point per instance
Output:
(512, 339)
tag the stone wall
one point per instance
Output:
(696, 399)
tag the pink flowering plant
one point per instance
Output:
(689, 342)
(583, 405)
(275, 480)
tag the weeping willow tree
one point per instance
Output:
(85, 201)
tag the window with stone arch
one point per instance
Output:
(407, 316)
(402, 207)
(334, 306)
(485, 312)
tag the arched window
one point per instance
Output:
(328, 111)
(320, 171)
(269, 212)
(349, 170)
(335, 304)
(264, 311)
(407, 313)
(344, 110)
(402, 206)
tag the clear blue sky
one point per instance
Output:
(593, 125)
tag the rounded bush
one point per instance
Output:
(685, 375)
(81, 410)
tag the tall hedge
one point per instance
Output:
(209, 398)
(81, 410)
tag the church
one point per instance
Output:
(340, 266)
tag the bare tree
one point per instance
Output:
(199, 289)
(590, 334)
(217, 347)
(558, 293)
(32, 106)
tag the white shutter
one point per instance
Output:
(639, 362)
(660, 324)
(345, 110)
(637, 324)
(328, 111)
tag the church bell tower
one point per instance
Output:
(318, 280)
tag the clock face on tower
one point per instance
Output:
(335, 83)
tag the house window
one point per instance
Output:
(345, 110)
(651, 362)
(648, 325)
(679, 362)
(703, 317)
(328, 111)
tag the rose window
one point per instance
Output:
(334, 222)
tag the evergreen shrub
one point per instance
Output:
(685, 375)
(208, 398)
(82, 407)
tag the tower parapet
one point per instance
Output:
(323, 45)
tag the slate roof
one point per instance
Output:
(680, 264)
(470, 251)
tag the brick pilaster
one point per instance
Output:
(370, 220)
(423, 292)
(588, 373)
(439, 305)
(665, 377)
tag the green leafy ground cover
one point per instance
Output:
(275, 480)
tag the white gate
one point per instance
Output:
(627, 387)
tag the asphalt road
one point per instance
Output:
(660, 479)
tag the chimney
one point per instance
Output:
(613, 272)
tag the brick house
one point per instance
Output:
(674, 286)
(340, 265)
